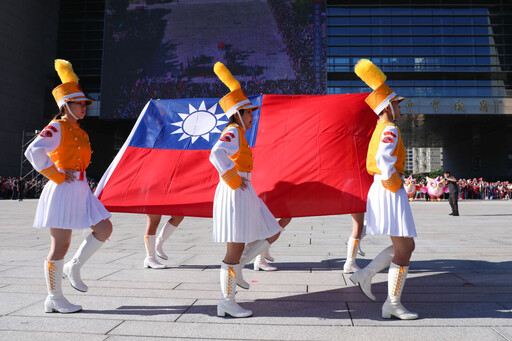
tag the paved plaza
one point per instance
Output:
(460, 282)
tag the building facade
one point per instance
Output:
(453, 62)
(423, 160)
(451, 59)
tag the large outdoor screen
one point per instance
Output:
(157, 49)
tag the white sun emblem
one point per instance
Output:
(199, 123)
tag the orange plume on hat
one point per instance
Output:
(370, 73)
(382, 94)
(65, 71)
(236, 99)
(69, 90)
(225, 76)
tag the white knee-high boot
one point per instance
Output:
(227, 304)
(150, 261)
(364, 276)
(396, 281)
(72, 268)
(251, 250)
(55, 301)
(261, 264)
(164, 234)
(350, 265)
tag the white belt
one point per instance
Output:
(80, 175)
(379, 176)
(246, 175)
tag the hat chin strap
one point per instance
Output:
(70, 112)
(240, 117)
(392, 111)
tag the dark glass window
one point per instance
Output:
(419, 39)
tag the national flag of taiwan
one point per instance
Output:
(309, 156)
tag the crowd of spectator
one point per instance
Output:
(478, 189)
(484, 190)
(18, 188)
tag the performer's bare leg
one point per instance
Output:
(353, 243)
(53, 267)
(150, 262)
(397, 274)
(100, 233)
(165, 233)
(260, 262)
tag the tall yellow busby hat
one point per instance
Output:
(236, 99)
(69, 90)
(382, 95)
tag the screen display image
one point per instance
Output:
(158, 49)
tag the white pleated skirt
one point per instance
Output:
(387, 212)
(240, 216)
(69, 205)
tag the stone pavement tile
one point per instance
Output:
(113, 308)
(13, 255)
(12, 303)
(493, 264)
(418, 296)
(238, 330)
(134, 284)
(304, 297)
(93, 285)
(136, 260)
(25, 288)
(488, 279)
(106, 258)
(272, 287)
(58, 323)
(419, 334)
(87, 272)
(6, 267)
(164, 275)
(273, 312)
(427, 289)
(353, 294)
(505, 332)
(433, 278)
(45, 336)
(298, 262)
(119, 292)
(142, 338)
(201, 260)
(313, 288)
(434, 314)
(294, 277)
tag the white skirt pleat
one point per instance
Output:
(240, 216)
(387, 212)
(70, 205)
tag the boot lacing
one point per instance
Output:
(354, 250)
(398, 282)
(231, 277)
(51, 275)
(146, 241)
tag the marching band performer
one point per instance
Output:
(155, 244)
(240, 218)
(354, 243)
(388, 210)
(61, 153)
(260, 262)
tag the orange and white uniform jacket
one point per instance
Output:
(231, 154)
(61, 145)
(386, 155)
